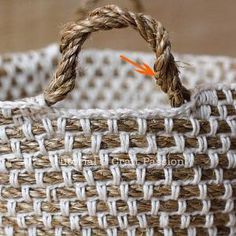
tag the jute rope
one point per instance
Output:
(107, 18)
(88, 5)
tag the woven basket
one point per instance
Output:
(127, 168)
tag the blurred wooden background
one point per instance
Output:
(195, 26)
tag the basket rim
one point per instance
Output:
(54, 48)
(199, 97)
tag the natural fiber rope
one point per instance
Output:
(107, 18)
(84, 8)
(88, 5)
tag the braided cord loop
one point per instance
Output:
(107, 18)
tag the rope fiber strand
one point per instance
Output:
(107, 18)
(87, 5)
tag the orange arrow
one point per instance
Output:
(143, 69)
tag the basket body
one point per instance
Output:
(119, 172)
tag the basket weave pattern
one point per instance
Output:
(120, 171)
(116, 171)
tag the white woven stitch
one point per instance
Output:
(181, 207)
(184, 110)
(213, 125)
(74, 179)
(202, 65)
(25, 193)
(205, 69)
(80, 191)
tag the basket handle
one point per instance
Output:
(107, 18)
(87, 5)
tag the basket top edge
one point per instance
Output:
(203, 95)
(54, 48)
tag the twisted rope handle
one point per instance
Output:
(107, 18)
(87, 5)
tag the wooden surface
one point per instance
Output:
(195, 26)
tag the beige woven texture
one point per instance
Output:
(118, 171)
(107, 18)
